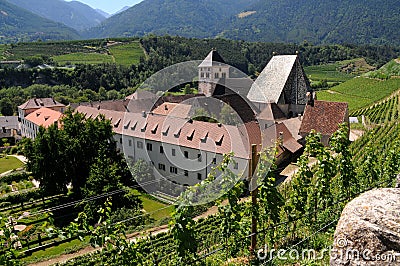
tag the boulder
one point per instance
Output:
(368, 232)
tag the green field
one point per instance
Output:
(127, 54)
(328, 72)
(83, 58)
(360, 92)
(9, 163)
(151, 205)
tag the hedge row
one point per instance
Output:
(15, 176)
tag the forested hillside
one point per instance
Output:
(72, 14)
(342, 21)
(19, 25)
(321, 22)
(203, 18)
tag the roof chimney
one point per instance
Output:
(310, 98)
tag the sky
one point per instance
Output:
(109, 6)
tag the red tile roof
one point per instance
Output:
(173, 109)
(281, 132)
(44, 117)
(212, 137)
(324, 117)
(36, 103)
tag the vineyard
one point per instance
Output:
(372, 161)
(360, 92)
(382, 112)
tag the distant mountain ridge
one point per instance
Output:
(201, 18)
(318, 22)
(20, 25)
(73, 14)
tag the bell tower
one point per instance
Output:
(211, 71)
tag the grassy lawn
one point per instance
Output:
(360, 92)
(56, 251)
(9, 163)
(83, 58)
(127, 54)
(150, 204)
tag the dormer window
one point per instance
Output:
(116, 124)
(219, 140)
(127, 124)
(154, 130)
(165, 132)
(204, 139)
(144, 127)
(190, 135)
(178, 133)
(133, 127)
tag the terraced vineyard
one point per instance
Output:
(378, 141)
(361, 92)
(387, 110)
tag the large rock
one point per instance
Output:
(368, 232)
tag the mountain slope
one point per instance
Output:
(19, 25)
(200, 18)
(341, 21)
(73, 14)
(318, 22)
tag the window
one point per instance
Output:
(173, 170)
(202, 75)
(236, 166)
(198, 176)
(214, 161)
(207, 75)
(149, 146)
(216, 75)
(130, 143)
(120, 140)
(186, 154)
(161, 166)
(161, 149)
(173, 152)
(223, 75)
(186, 173)
(140, 145)
(199, 157)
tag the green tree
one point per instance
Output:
(47, 160)
(103, 177)
(6, 107)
